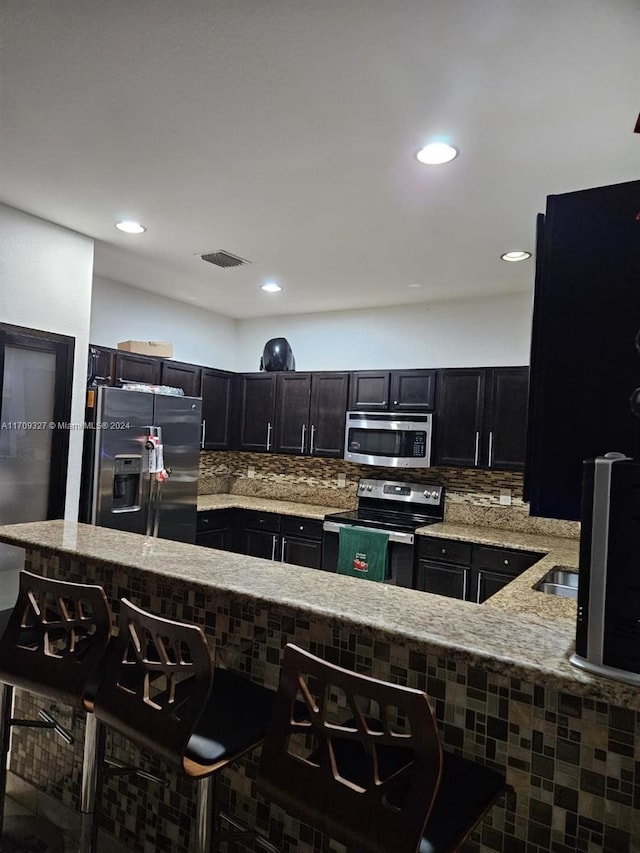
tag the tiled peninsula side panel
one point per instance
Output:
(574, 764)
(279, 475)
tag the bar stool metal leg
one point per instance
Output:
(93, 757)
(204, 814)
(6, 703)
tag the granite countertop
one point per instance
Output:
(227, 501)
(515, 644)
(518, 596)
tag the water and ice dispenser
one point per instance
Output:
(608, 623)
(127, 474)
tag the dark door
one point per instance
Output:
(327, 414)
(302, 552)
(178, 375)
(291, 429)
(261, 543)
(413, 390)
(442, 579)
(257, 406)
(506, 418)
(459, 412)
(369, 390)
(487, 583)
(137, 368)
(217, 422)
(36, 371)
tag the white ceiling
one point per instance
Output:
(283, 131)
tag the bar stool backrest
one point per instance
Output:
(55, 637)
(368, 782)
(156, 680)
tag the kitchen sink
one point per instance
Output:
(561, 581)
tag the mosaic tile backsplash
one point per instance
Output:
(573, 763)
(299, 476)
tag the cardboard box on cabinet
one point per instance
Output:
(161, 348)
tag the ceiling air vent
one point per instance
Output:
(223, 259)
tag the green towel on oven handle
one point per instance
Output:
(363, 553)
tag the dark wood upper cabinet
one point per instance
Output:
(257, 411)
(131, 367)
(506, 417)
(327, 410)
(310, 413)
(393, 390)
(369, 390)
(585, 364)
(459, 411)
(291, 426)
(176, 374)
(101, 367)
(481, 417)
(412, 390)
(218, 414)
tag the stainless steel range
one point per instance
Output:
(392, 507)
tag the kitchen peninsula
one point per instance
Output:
(503, 689)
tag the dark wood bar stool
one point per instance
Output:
(52, 645)
(161, 691)
(378, 782)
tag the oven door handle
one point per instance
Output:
(394, 535)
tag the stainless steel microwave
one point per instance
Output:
(391, 439)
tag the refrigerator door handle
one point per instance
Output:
(204, 432)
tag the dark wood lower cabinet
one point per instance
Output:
(468, 571)
(442, 579)
(288, 539)
(216, 529)
(302, 552)
(301, 541)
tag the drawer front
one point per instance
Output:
(305, 528)
(211, 519)
(254, 520)
(503, 559)
(445, 550)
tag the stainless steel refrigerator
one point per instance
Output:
(141, 462)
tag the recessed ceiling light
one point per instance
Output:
(414, 285)
(515, 256)
(270, 287)
(436, 153)
(130, 227)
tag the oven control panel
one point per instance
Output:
(419, 493)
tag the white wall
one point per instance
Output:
(45, 283)
(122, 313)
(472, 333)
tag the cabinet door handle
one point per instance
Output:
(444, 551)
(395, 402)
(475, 462)
(490, 448)
(313, 433)
(479, 588)
(273, 547)
(304, 432)
(464, 584)
(204, 432)
(284, 545)
(269, 435)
